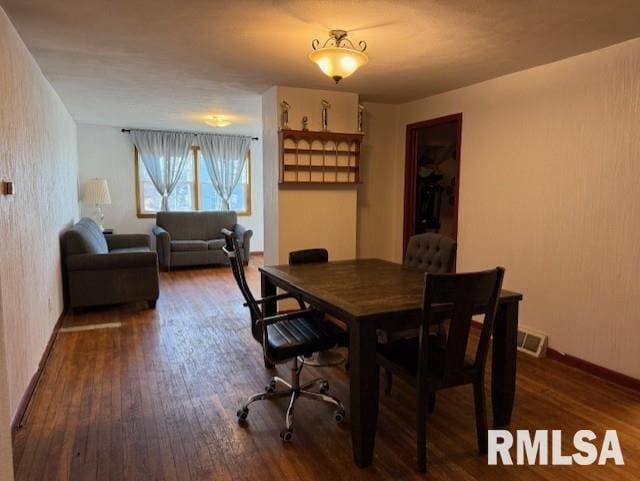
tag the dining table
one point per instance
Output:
(373, 294)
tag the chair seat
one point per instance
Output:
(401, 358)
(129, 249)
(188, 245)
(386, 336)
(299, 337)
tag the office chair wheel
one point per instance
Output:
(271, 387)
(338, 415)
(324, 387)
(242, 414)
(286, 435)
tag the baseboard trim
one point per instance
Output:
(585, 366)
(23, 406)
(598, 371)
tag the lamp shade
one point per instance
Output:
(217, 121)
(338, 62)
(96, 191)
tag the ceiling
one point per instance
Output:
(168, 63)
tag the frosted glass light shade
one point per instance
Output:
(338, 62)
(96, 191)
(217, 121)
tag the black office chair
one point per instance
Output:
(285, 337)
(430, 363)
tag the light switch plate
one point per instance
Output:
(7, 187)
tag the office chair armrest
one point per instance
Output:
(285, 316)
(277, 297)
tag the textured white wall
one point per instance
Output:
(381, 183)
(107, 152)
(548, 189)
(39, 153)
(6, 455)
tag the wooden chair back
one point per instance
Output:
(306, 256)
(460, 296)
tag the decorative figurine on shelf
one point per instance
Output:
(360, 118)
(284, 115)
(305, 123)
(325, 114)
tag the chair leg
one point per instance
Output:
(290, 409)
(323, 397)
(432, 402)
(268, 364)
(262, 396)
(421, 431)
(481, 415)
(388, 382)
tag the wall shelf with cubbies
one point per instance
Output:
(308, 157)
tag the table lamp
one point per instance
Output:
(96, 191)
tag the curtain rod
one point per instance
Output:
(126, 131)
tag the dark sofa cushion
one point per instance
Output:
(215, 244)
(124, 241)
(129, 249)
(188, 245)
(111, 261)
(85, 237)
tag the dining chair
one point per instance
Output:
(430, 363)
(305, 256)
(285, 337)
(332, 357)
(428, 252)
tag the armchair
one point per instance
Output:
(103, 270)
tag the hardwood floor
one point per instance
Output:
(155, 399)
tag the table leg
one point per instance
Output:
(503, 363)
(364, 380)
(270, 308)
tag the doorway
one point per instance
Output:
(432, 177)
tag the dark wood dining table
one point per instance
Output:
(372, 294)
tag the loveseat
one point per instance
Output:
(101, 270)
(195, 238)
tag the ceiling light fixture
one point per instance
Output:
(338, 57)
(217, 121)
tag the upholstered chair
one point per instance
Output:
(429, 252)
(432, 253)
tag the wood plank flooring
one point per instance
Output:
(156, 400)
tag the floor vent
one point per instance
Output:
(532, 342)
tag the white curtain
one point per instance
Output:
(164, 155)
(225, 157)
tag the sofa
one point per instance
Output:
(195, 238)
(102, 270)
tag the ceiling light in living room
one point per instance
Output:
(217, 121)
(338, 57)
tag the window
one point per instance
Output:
(194, 190)
(209, 198)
